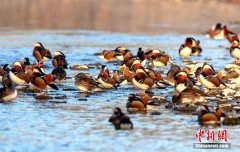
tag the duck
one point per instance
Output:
(119, 78)
(26, 65)
(105, 79)
(230, 36)
(59, 74)
(123, 123)
(159, 58)
(59, 60)
(18, 76)
(142, 80)
(185, 51)
(86, 83)
(117, 113)
(40, 53)
(225, 33)
(235, 49)
(135, 102)
(182, 81)
(8, 92)
(137, 65)
(121, 52)
(127, 57)
(189, 95)
(180, 86)
(222, 34)
(196, 48)
(208, 76)
(120, 120)
(179, 78)
(191, 47)
(128, 74)
(130, 60)
(141, 54)
(113, 55)
(171, 74)
(107, 55)
(156, 76)
(206, 117)
(41, 81)
(215, 31)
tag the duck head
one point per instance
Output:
(26, 61)
(181, 77)
(207, 69)
(188, 42)
(39, 44)
(16, 69)
(59, 53)
(234, 44)
(141, 54)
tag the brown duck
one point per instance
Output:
(40, 53)
(85, 82)
(207, 117)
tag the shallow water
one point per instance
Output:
(81, 124)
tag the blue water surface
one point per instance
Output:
(28, 124)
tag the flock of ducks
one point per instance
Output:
(193, 83)
(23, 73)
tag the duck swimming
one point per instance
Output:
(120, 120)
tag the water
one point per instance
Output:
(28, 124)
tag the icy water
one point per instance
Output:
(79, 122)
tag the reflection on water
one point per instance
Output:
(82, 125)
(131, 16)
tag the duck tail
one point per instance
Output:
(53, 86)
